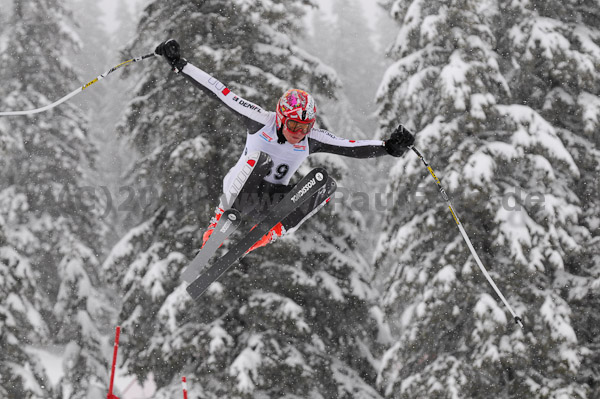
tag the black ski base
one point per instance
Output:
(310, 185)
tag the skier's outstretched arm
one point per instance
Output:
(324, 141)
(201, 79)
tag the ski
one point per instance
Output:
(229, 222)
(311, 184)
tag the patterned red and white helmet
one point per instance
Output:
(296, 105)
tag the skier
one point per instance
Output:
(276, 144)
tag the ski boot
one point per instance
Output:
(277, 231)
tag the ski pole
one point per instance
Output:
(114, 364)
(466, 237)
(78, 90)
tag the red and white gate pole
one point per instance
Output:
(184, 386)
(114, 365)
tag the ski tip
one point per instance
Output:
(232, 214)
(320, 174)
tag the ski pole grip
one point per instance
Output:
(519, 321)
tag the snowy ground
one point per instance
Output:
(126, 386)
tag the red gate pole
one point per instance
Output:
(114, 365)
(184, 384)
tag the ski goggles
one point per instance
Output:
(298, 127)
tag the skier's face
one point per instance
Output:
(294, 132)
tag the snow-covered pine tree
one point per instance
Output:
(288, 322)
(559, 48)
(484, 86)
(21, 324)
(54, 224)
(83, 313)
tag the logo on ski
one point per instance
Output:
(306, 187)
(226, 226)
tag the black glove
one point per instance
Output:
(399, 140)
(170, 50)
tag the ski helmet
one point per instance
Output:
(296, 105)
